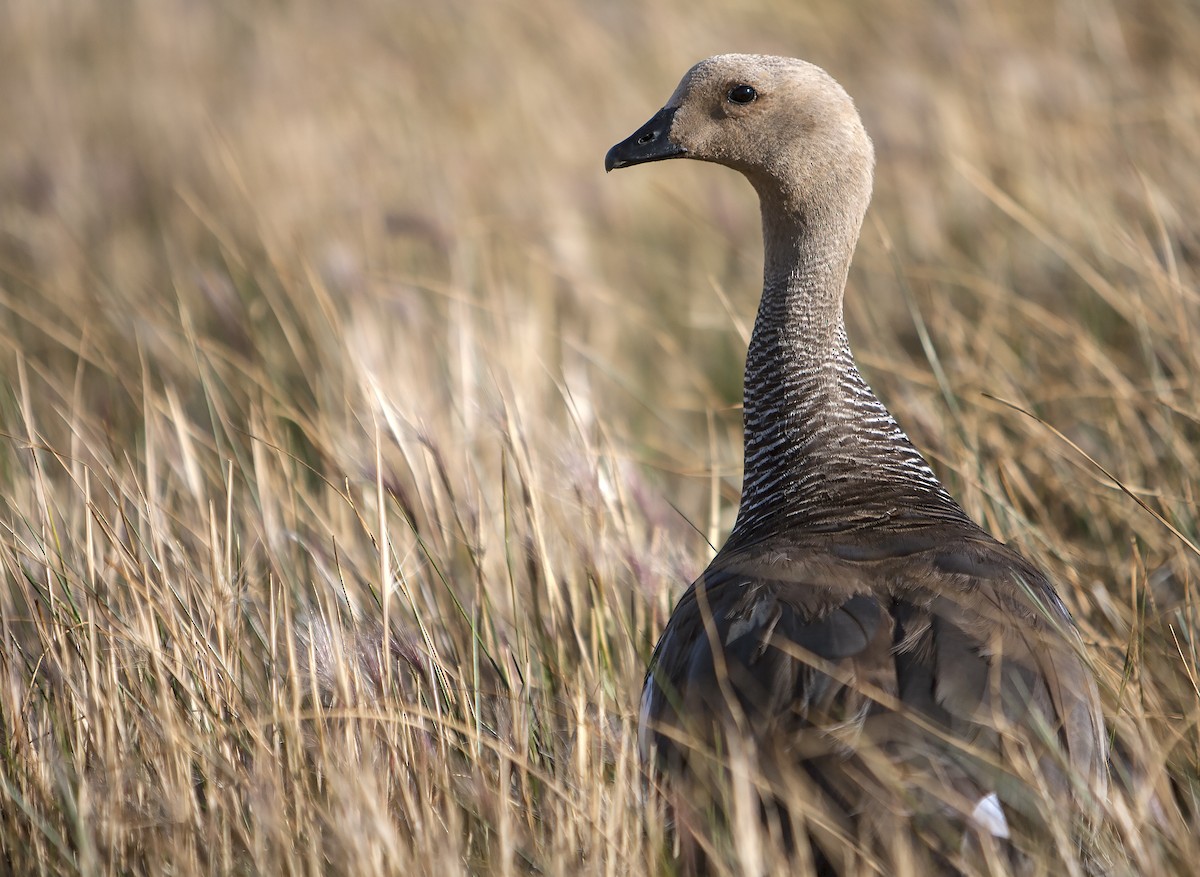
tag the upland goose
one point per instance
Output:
(859, 641)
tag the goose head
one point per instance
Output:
(785, 124)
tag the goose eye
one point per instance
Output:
(742, 94)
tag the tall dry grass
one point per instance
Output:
(358, 433)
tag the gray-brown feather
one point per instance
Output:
(828, 662)
(941, 654)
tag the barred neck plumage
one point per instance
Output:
(822, 454)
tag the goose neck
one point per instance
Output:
(822, 454)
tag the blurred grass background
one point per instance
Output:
(356, 432)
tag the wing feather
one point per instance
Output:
(919, 663)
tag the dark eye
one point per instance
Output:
(742, 94)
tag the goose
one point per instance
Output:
(858, 639)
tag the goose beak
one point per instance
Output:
(651, 142)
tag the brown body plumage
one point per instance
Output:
(882, 663)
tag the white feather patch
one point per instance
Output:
(989, 815)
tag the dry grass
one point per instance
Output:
(318, 324)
